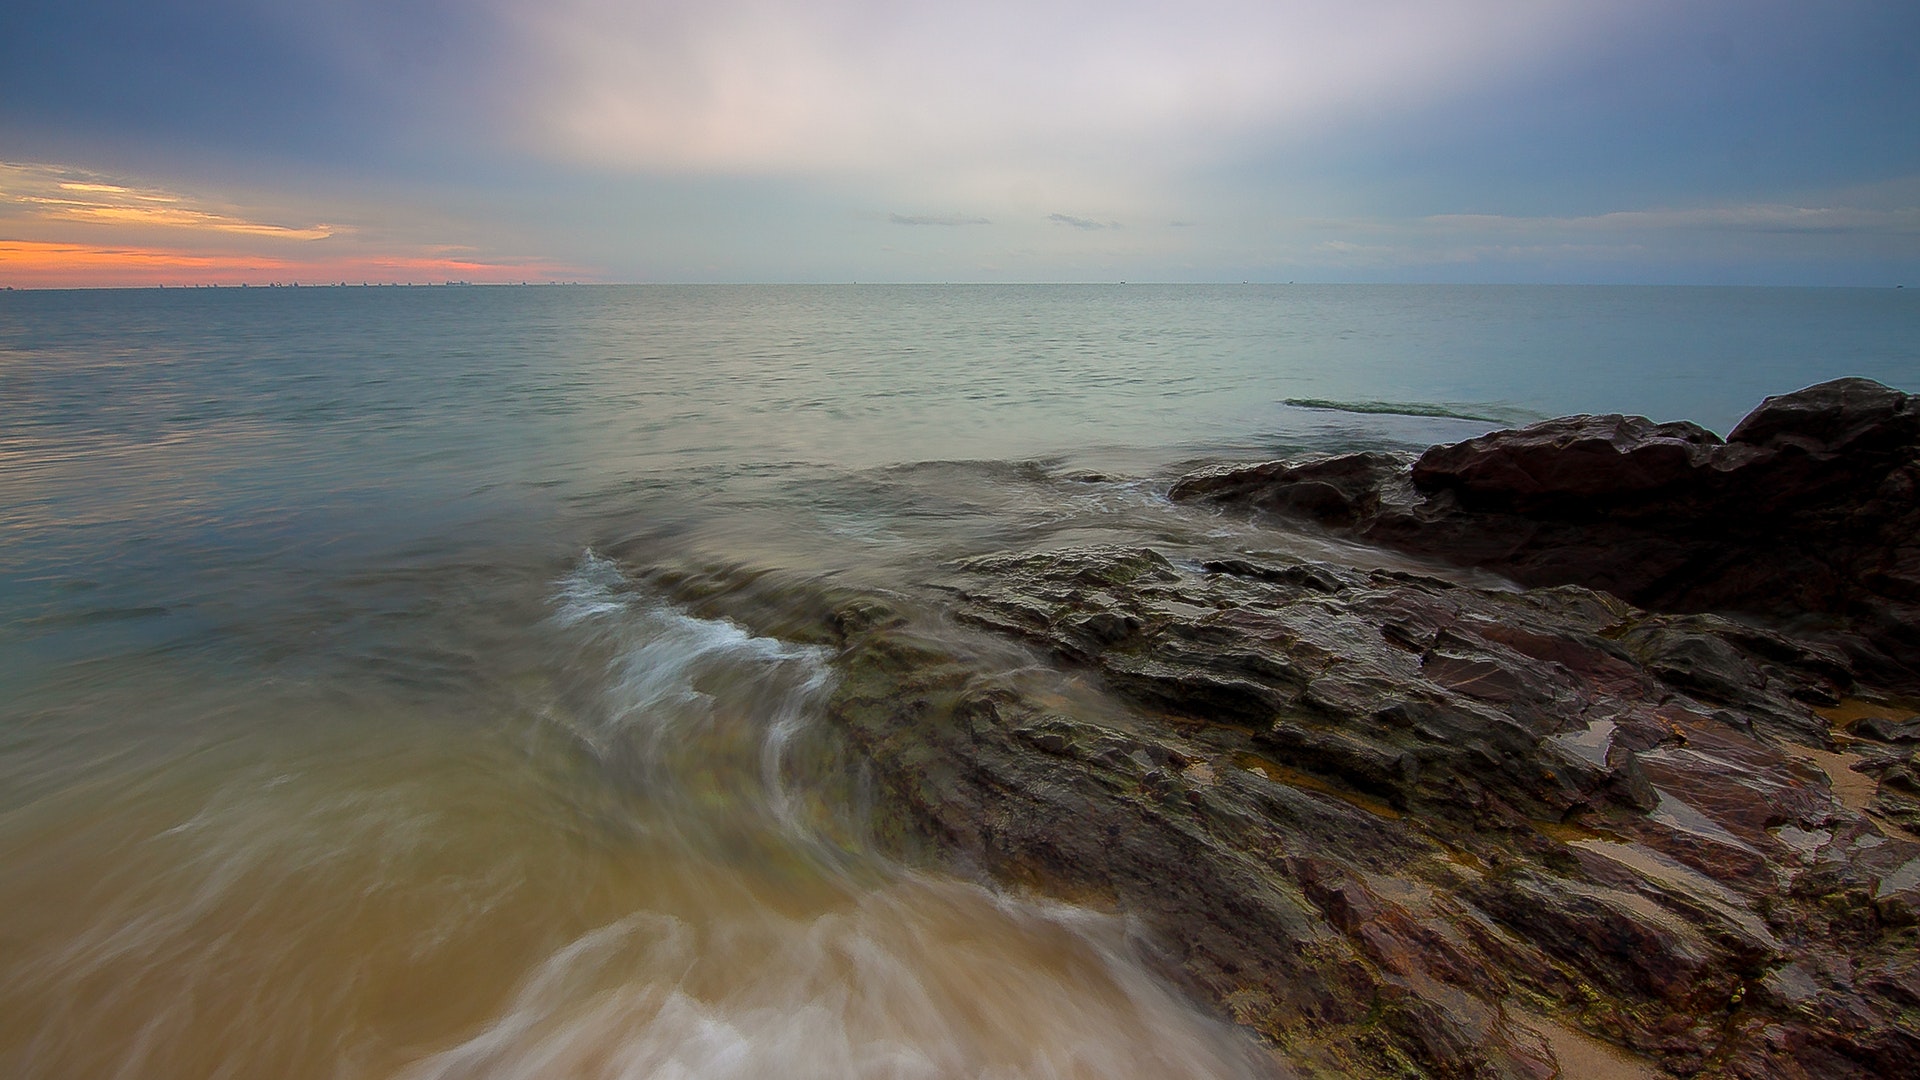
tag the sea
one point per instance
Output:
(345, 730)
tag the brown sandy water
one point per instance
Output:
(611, 860)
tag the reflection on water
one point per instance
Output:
(612, 878)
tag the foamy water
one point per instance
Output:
(611, 878)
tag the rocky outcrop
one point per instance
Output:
(1809, 511)
(1401, 826)
(1390, 822)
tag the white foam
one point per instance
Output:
(672, 677)
(922, 980)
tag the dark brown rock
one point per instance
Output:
(1808, 512)
(1885, 729)
(1363, 811)
(1832, 417)
(1336, 490)
(1571, 462)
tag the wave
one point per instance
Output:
(1492, 414)
(922, 978)
(680, 695)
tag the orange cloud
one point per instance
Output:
(191, 219)
(39, 264)
(51, 193)
(65, 227)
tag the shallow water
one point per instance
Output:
(338, 742)
(584, 857)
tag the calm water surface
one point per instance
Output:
(331, 745)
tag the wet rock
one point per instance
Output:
(1484, 722)
(1631, 944)
(1830, 418)
(1318, 668)
(1698, 655)
(1570, 462)
(1335, 490)
(1809, 509)
(1884, 729)
(1375, 816)
(1897, 798)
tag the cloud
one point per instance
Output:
(1745, 240)
(937, 219)
(65, 227)
(1080, 222)
(56, 193)
(999, 92)
(1749, 218)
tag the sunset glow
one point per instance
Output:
(91, 233)
(45, 193)
(26, 264)
(1724, 141)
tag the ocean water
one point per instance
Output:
(340, 735)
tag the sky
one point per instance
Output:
(1607, 141)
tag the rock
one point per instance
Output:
(1632, 945)
(1335, 490)
(1363, 810)
(1379, 818)
(1897, 799)
(1832, 417)
(1884, 729)
(1809, 510)
(1570, 463)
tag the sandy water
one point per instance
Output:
(589, 867)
